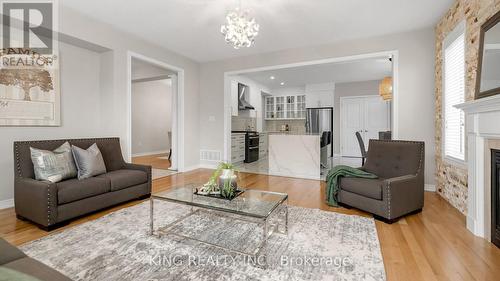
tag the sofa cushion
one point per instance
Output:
(371, 188)
(124, 178)
(89, 162)
(74, 189)
(36, 269)
(53, 165)
(9, 253)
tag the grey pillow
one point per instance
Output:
(88, 162)
(54, 165)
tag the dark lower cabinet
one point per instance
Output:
(495, 197)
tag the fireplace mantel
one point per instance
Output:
(481, 105)
(482, 124)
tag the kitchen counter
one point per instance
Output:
(294, 155)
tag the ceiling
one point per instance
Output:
(352, 71)
(192, 27)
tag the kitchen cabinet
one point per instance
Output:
(285, 107)
(263, 143)
(237, 148)
(319, 99)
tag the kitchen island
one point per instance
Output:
(294, 155)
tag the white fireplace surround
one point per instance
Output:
(482, 124)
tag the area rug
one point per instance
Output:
(320, 245)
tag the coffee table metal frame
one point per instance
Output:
(264, 221)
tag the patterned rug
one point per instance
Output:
(320, 246)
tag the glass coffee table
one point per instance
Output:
(255, 206)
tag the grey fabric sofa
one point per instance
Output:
(12, 258)
(398, 191)
(51, 205)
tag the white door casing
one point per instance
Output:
(351, 116)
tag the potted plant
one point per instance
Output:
(223, 182)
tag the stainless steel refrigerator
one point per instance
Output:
(320, 121)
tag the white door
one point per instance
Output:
(367, 115)
(377, 118)
(351, 110)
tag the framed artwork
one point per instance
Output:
(29, 88)
(488, 71)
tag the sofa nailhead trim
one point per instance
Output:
(18, 165)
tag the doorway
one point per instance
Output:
(153, 92)
(291, 91)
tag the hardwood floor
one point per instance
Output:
(432, 245)
(153, 160)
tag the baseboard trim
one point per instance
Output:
(150, 153)
(190, 168)
(9, 203)
(430, 187)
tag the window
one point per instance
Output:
(453, 94)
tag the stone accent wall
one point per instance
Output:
(452, 179)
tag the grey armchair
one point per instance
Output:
(398, 191)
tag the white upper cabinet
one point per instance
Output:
(286, 107)
(320, 95)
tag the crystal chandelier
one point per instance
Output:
(239, 30)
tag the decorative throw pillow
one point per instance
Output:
(54, 165)
(88, 162)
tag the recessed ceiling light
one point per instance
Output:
(282, 83)
(272, 77)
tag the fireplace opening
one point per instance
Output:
(495, 197)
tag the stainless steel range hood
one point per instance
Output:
(243, 95)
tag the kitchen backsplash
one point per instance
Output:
(239, 123)
(295, 126)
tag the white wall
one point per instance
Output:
(115, 101)
(151, 116)
(416, 84)
(94, 86)
(80, 88)
(364, 88)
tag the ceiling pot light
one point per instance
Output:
(282, 83)
(240, 30)
(272, 78)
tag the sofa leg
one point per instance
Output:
(387, 221)
(20, 218)
(344, 205)
(144, 196)
(53, 226)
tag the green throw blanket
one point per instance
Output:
(333, 180)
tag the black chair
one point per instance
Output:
(362, 148)
(324, 142)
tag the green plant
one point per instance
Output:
(227, 190)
